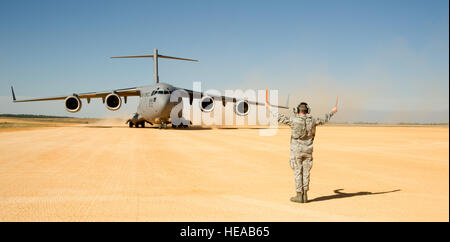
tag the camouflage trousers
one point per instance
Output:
(301, 164)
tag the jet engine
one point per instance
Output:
(207, 104)
(113, 101)
(241, 108)
(72, 104)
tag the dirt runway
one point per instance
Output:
(114, 173)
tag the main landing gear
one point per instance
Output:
(136, 125)
(161, 125)
(181, 126)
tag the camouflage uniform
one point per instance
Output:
(303, 130)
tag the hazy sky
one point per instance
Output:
(383, 58)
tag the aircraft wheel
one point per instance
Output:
(143, 124)
(130, 124)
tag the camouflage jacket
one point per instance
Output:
(303, 130)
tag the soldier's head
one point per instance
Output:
(303, 108)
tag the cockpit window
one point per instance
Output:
(154, 92)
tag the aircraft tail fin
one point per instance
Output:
(155, 57)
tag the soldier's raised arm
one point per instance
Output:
(283, 119)
(320, 121)
(280, 117)
(325, 119)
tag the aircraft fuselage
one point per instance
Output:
(154, 104)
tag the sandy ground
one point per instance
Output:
(114, 173)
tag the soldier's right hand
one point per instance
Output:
(334, 110)
(267, 99)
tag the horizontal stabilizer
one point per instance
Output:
(151, 56)
(176, 58)
(155, 57)
(134, 56)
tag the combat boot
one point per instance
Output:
(298, 198)
(305, 196)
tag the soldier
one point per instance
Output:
(303, 130)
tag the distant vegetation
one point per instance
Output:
(31, 116)
(12, 121)
(386, 124)
(422, 123)
(401, 123)
(372, 123)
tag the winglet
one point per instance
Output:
(270, 105)
(13, 95)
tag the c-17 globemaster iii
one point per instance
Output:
(154, 100)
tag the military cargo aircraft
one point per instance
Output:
(154, 100)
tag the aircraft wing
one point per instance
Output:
(228, 99)
(121, 92)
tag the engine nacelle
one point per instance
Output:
(72, 104)
(113, 101)
(207, 104)
(241, 108)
